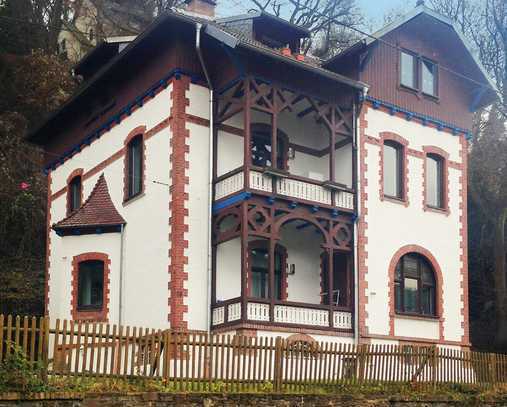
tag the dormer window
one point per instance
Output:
(418, 73)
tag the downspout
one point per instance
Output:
(198, 28)
(357, 114)
(120, 300)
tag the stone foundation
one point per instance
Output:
(219, 400)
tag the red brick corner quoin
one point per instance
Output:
(464, 241)
(179, 213)
(439, 292)
(100, 315)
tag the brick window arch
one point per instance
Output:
(393, 168)
(90, 286)
(74, 190)
(134, 164)
(436, 166)
(438, 284)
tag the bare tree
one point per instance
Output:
(325, 19)
(484, 23)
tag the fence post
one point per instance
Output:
(361, 350)
(434, 366)
(492, 368)
(277, 374)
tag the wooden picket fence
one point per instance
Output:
(201, 362)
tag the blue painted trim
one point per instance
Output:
(425, 120)
(125, 111)
(242, 196)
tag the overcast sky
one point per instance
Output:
(372, 9)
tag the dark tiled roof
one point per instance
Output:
(98, 210)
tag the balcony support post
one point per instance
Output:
(247, 118)
(271, 285)
(244, 262)
(330, 282)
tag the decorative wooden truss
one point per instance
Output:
(256, 94)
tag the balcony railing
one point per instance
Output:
(290, 186)
(297, 314)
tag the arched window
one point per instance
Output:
(415, 286)
(258, 252)
(393, 169)
(75, 193)
(435, 181)
(261, 147)
(90, 288)
(134, 166)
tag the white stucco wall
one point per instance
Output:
(147, 231)
(197, 189)
(303, 250)
(228, 268)
(392, 226)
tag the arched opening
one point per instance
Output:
(415, 286)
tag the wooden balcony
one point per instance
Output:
(281, 313)
(284, 185)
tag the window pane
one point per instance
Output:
(410, 294)
(397, 297)
(428, 300)
(261, 150)
(428, 77)
(392, 171)
(90, 284)
(135, 166)
(408, 77)
(75, 194)
(259, 259)
(434, 193)
(410, 266)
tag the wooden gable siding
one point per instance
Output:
(438, 42)
(153, 61)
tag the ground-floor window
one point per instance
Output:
(414, 285)
(90, 285)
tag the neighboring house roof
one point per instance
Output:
(98, 211)
(262, 15)
(366, 41)
(213, 29)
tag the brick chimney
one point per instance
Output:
(201, 8)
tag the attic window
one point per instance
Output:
(408, 70)
(418, 73)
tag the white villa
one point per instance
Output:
(209, 177)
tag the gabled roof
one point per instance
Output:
(421, 9)
(213, 30)
(98, 211)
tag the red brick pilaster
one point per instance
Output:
(96, 315)
(463, 180)
(179, 197)
(362, 239)
(48, 246)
